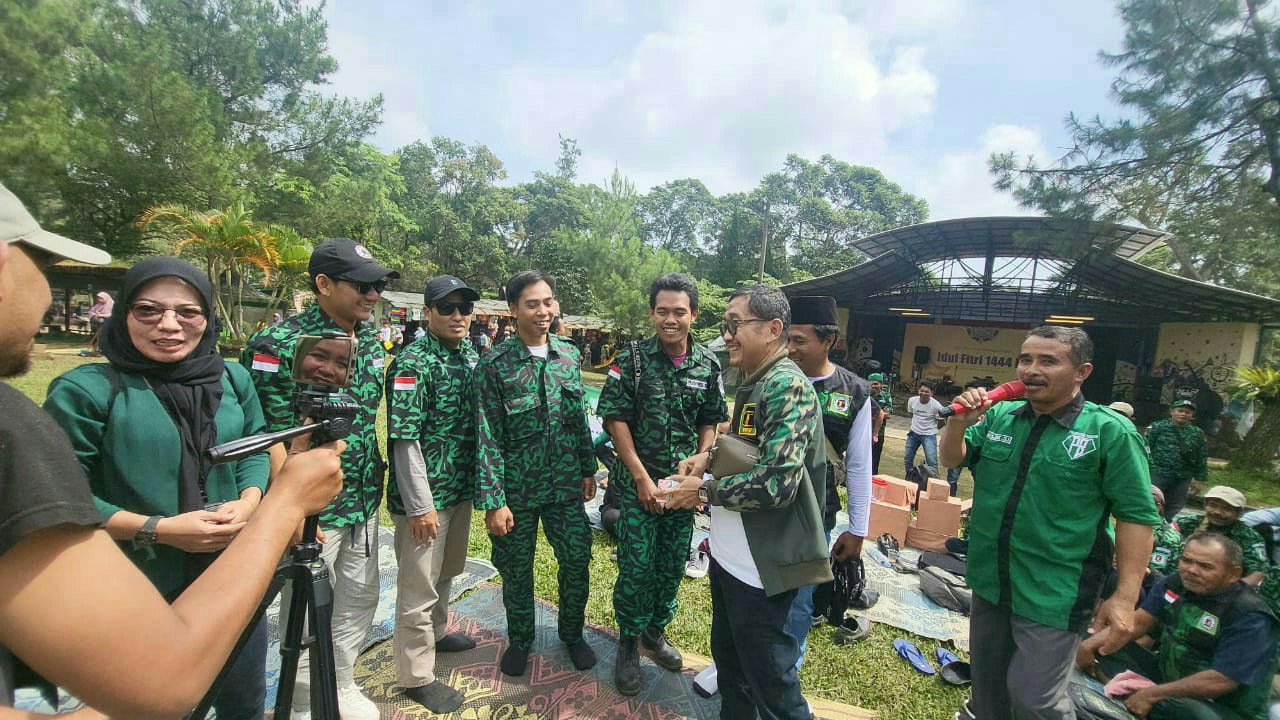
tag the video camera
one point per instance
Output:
(321, 368)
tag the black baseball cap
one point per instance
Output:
(345, 258)
(440, 286)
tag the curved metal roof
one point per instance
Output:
(978, 236)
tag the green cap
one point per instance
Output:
(1183, 403)
(876, 377)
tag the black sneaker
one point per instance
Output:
(626, 667)
(655, 641)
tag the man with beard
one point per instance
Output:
(1223, 508)
(1049, 472)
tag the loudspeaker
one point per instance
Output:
(922, 355)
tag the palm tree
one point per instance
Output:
(1260, 383)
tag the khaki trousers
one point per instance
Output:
(422, 591)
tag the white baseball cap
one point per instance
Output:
(17, 226)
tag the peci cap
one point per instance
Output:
(813, 310)
(1183, 403)
(18, 226)
(876, 377)
(1123, 408)
(1228, 495)
(440, 286)
(347, 259)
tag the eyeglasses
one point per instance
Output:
(447, 308)
(730, 327)
(151, 314)
(364, 287)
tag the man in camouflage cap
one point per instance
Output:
(535, 463)
(1178, 455)
(431, 429)
(347, 282)
(661, 403)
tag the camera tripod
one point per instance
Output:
(311, 598)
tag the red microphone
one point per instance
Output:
(1011, 390)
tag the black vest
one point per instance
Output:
(842, 396)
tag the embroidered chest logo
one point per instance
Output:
(1079, 444)
(747, 421)
(1208, 623)
(839, 404)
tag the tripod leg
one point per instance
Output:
(293, 642)
(324, 682)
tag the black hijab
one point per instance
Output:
(191, 388)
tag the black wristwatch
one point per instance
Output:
(146, 535)
(704, 492)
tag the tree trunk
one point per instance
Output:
(1263, 439)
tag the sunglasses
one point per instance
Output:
(364, 287)
(730, 327)
(447, 308)
(151, 314)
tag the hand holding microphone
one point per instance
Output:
(980, 398)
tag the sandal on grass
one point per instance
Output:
(908, 651)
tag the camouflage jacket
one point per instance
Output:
(269, 358)
(430, 398)
(533, 445)
(1167, 549)
(1250, 542)
(673, 403)
(1176, 451)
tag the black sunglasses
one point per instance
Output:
(364, 287)
(447, 308)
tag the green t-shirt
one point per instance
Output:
(1044, 489)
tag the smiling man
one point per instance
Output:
(1223, 508)
(535, 463)
(347, 282)
(661, 403)
(1049, 472)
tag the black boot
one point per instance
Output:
(655, 641)
(626, 669)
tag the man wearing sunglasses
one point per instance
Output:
(347, 282)
(431, 431)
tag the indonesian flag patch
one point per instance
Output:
(265, 363)
(1170, 596)
(615, 372)
(406, 382)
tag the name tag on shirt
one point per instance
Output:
(696, 384)
(378, 362)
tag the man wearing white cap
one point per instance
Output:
(1223, 507)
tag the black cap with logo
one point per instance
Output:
(440, 286)
(346, 259)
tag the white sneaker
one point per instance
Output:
(353, 705)
(697, 565)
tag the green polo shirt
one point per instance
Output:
(665, 408)
(1044, 489)
(429, 399)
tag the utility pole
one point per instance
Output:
(764, 241)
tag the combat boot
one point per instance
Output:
(655, 641)
(626, 669)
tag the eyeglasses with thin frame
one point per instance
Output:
(151, 314)
(447, 308)
(730, 326)
(364, 287)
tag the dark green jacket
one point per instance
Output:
(132, 458)
(780, 499)
(1177, 451)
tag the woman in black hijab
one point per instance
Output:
(141, 424)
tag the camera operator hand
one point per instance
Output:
(303, 477)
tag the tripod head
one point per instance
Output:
(322, 408)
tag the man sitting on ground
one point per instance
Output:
(1223, 507)
(1217, 641)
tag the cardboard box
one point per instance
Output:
(887, 518)
(939, 516)
(938, 489)
(925, 540)
(895, 491)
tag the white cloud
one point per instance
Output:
(960, 185)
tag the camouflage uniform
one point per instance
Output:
(1178, 454)
(664, 419)
(533, 450)
(1167, 549)
(1250, 542)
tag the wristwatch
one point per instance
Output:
(703, 492)
(146, 535)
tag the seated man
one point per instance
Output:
(1217, 641)
(1223, 507)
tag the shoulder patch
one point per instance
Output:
(615, 372)
(265, 363)
(1208, 623)
(404, 382)
(839, 404)
(747, 421)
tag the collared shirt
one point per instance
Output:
(1043, 489)
(664, 408)
(430, 398)
(269, 357)
(533, 445)
(1177, 451)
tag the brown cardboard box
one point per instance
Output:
(938, 489)
(886, 518)
(925, 539)
(939, 516)
(896, 491)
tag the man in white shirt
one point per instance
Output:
(924, 411)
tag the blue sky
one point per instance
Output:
(721, 90)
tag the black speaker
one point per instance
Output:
(922, 355)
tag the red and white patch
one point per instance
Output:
(615, 372)
(1170, 596)
(265, 363)
(407, 382)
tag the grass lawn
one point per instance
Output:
(868, 674)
